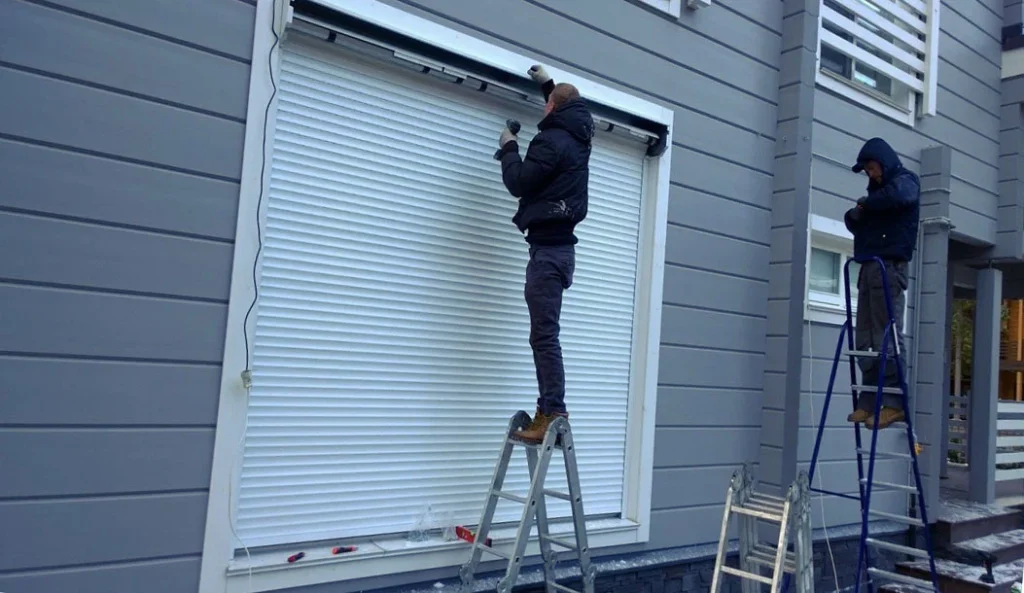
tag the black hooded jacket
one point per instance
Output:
(885, 223)
(551, 182)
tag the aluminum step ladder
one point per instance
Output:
(538, 456)
(791, 514)
(875, 576)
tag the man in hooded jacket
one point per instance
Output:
(551, 184)
(884, 224)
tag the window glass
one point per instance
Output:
(825, 271)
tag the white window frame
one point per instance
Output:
(918, 104)
(223, 572)
(825, 308)
(671, 7)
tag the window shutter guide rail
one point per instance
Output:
(327, 25)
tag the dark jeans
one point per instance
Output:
(548, 274)
(872, 319)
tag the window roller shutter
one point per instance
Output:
(391, 340)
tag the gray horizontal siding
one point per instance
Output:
(120, 151)
(1010, 229)
(968, 121)
(716, 68)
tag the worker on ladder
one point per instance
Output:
(551, 184)
(884, 224)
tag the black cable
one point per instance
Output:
(259, 199)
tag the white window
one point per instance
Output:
(389, 344)
(671, 7)
(881, 53)
(831, 249)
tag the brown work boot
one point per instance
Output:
(886, 417)
(538, 428)
(859, 416)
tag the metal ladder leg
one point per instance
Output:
(468, 571)
(587, 571)
(543, 534)
(734, 485)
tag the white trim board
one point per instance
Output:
(220, 570)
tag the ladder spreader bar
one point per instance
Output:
(832, 493)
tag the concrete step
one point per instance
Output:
(955, 577)
(999, 548)
(958, 521)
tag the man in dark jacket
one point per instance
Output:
(884, 224)
(551, 184)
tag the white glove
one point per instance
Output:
(538, 74)
(506, 137)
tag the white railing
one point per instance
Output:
(904, 35)
(1010, 441)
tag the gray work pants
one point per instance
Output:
(548, 275)
(871, 324)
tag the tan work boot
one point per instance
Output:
(859, 416)
(886, 417)
(538, 428)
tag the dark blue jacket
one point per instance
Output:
(884, 224)
(551, 182)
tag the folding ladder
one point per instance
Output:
(867, 484)
(538, 456)
(792, 514)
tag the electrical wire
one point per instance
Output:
(255, 283)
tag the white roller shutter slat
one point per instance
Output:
(392, 340)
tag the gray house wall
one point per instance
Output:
(120, 153)
(968, 120)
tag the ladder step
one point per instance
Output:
(560, 542)
(772, 502)
(917, 552)
(561, 588)
(759, 514)
(899, 578)
(758, 505)
(874, 389)
(558, 494)
(746, 575)
(864, 354)
(764, 555)
(899, 518)
(509, 496)
(903, 487)
(891, 454)
(497, 552)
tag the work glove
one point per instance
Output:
(506, 137)
(538, 74)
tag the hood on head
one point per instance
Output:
(878, 150)
(573, 117)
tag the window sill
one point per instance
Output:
(862, 96)
(270, 571)
(827, 314)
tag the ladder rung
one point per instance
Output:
(897, 548)
(770, 497)
(892, 454)
(765, 556)
(562, 588)
(561, 542)
(833, 493)
(509, 496)
(772, 503)
(864, 354)
(746, 575)
(874, 389)
(898, 518)
(497, 552)
(903, 487)
(759, 514)
(900, 578)
(558, 494)
(758, 505)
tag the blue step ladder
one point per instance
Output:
(877, 577)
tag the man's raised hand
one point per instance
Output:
(538, 74)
